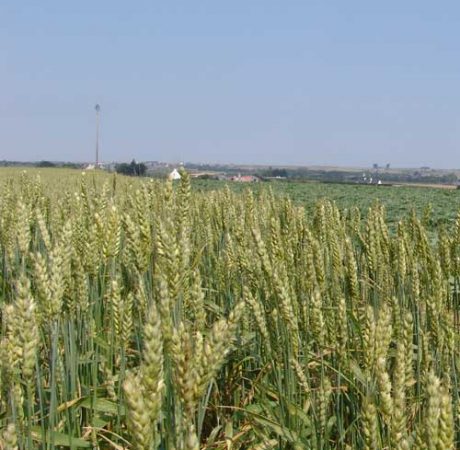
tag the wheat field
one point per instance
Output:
(142, 315)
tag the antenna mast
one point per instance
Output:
(98, 109)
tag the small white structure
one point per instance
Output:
(174, 175)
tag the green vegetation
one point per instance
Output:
(132, 169)
(149, 315)
(441, 204)
(338, 174)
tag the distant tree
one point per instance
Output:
(122, 168)
(46, 164)
(449, 178)
(387, 166)
(280, 173)
(132, 169)
(375, 166)
(207, 176)
(283, 173)
(138, 169)
(70, 165)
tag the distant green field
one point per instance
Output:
(398, 200)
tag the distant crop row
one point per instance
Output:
(139, 314)
(436, 206)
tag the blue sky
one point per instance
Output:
(271, 82)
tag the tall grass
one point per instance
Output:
(142, 315)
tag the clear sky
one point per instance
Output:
(247, 81)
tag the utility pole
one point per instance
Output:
(98, 109)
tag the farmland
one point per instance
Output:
(438, 204)
(146, 315)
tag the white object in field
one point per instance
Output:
(174, 175)
(90, 167)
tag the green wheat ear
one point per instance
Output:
(146, 314)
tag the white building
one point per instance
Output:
(174, 175)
